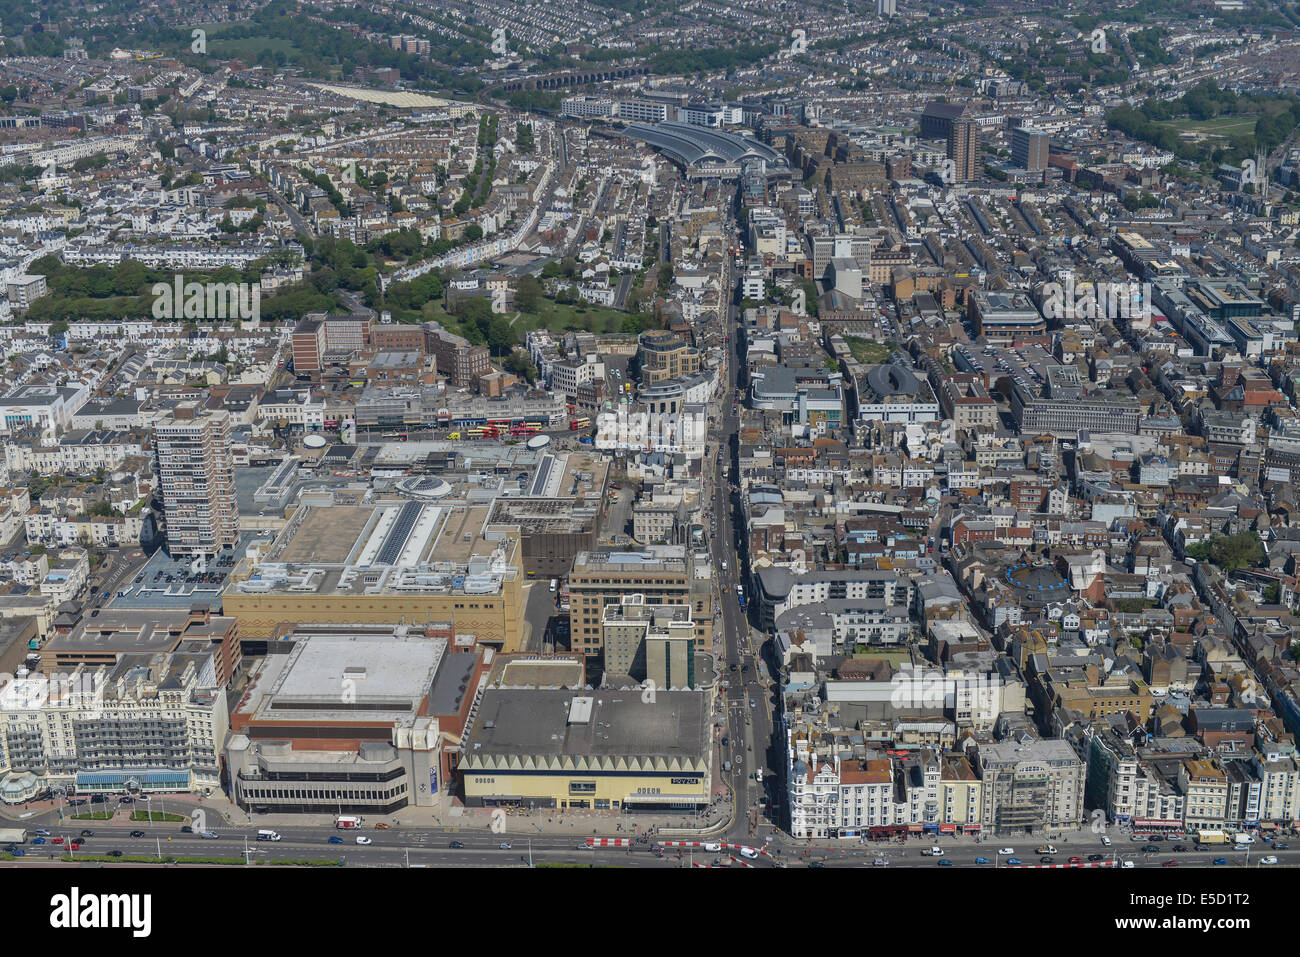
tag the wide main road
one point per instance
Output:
(749, 728)
(394, 847)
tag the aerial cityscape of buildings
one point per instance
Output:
(793, 434)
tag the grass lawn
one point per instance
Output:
(94, 816)
(243, 48)
(1222, 126)
(866, 351)
(587, 317)
(157, 816)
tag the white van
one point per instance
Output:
(748, 852)
(267, 835)
(1242, 838)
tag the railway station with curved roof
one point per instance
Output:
(692, 145)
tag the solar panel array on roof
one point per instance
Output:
(402, 528)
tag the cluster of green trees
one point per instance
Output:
(524, 137)
(478, 184)
(408, 297)
(534, 101)
(1148, 44)
(1276, 117)
(1230, 552)
(323, 182)
(710, 60)
(1144, 200)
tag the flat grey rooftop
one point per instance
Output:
(520, 722)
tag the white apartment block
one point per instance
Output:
(75, 457)
(148, 718)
